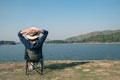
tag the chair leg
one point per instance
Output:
(42, 66)
(26, 67)
(41, 71)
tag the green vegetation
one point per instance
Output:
(7, 43)
(64, 70)
(107, 36)
(99, 36)
(114, 37)
(56, 41)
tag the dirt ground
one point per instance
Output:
(64, 70)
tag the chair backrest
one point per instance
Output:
(33, 55)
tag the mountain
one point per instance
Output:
(98, 36)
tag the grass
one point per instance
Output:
(64, 70)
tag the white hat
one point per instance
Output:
(33, 36)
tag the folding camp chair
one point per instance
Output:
(35, 67)
(34, 61)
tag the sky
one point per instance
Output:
(62, 18)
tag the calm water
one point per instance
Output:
(10, 53)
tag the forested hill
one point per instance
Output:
(98, 36)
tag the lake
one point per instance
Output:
(10, 53)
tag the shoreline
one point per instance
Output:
(99, 43)
(74, 43)
(88, 43)
(60, 60)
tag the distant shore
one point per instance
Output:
(7, 43)
(100, 43)
(88, 43)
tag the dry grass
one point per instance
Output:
(64, 70)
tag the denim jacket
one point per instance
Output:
(37, 47)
